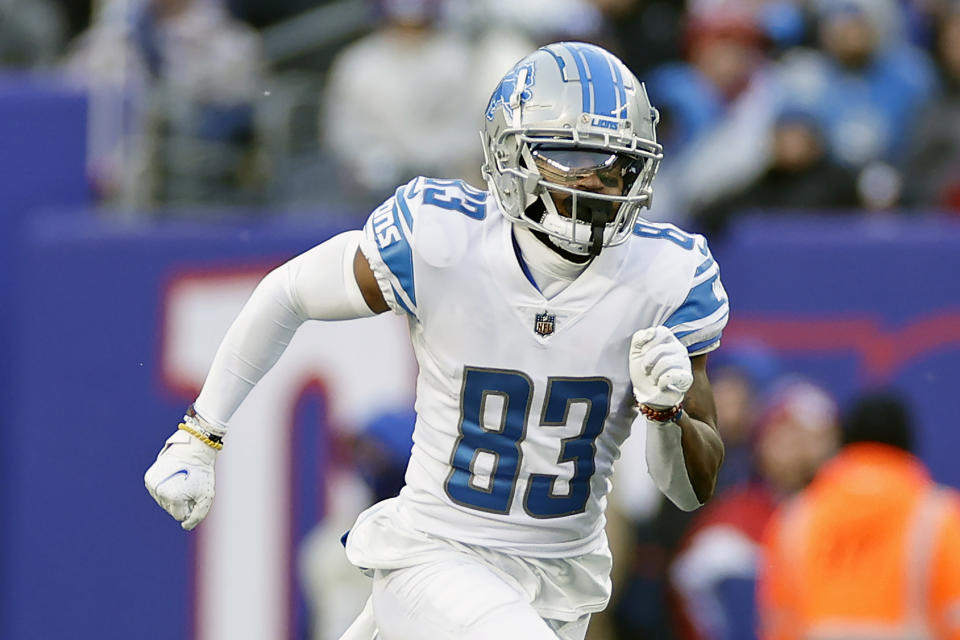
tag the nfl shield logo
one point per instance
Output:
(544, 324)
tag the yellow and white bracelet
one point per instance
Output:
(202, 437)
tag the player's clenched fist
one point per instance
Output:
(181, 479)
(659, 368)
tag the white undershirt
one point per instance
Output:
(549, 269)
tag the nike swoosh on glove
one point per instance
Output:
(659, 368)
(181, 479)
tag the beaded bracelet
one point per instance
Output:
(670, 414)
(202, 437)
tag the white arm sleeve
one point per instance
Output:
(666, 465)
(316, 285)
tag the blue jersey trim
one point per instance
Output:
(701, 345)
(644, 229)
(523, 263)
(709, 262)
(396, 296)
(404, 209)
(700, 304)
(398, 257)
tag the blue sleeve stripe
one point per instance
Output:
(693, 348)
(399, 299)
(718, 316)
(709, 262)
(398, 256)
(705, 330)
(702, 245)
(709, 274)
(700, 303)
(700, 330)
(400, 199)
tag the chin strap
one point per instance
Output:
(600, 212)
(596, 237)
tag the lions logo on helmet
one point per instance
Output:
(503, 94)
(575, 159)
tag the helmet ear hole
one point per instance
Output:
(510, 192)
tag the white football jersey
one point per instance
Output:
(523, 402)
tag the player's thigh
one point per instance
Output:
(453, 600)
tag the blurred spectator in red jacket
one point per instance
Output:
(713, 573)
(717, 109)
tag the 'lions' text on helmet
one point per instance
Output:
(570, 146)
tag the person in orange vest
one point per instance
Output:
(871, 548)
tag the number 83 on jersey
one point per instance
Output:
(501, 445)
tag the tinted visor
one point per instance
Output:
(566, 166)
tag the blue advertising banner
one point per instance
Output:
(86, 553)
(112, 333)
(857, 303)
(43, 147)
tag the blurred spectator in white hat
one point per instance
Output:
(717, 109)
(407, 100)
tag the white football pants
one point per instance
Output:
(463, 600)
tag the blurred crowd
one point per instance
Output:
(765, 105)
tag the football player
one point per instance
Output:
(548, 321)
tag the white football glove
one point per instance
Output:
(181, 479)
(659, 368)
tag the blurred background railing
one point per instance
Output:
(158, 156)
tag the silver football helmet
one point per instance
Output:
(570, 146)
